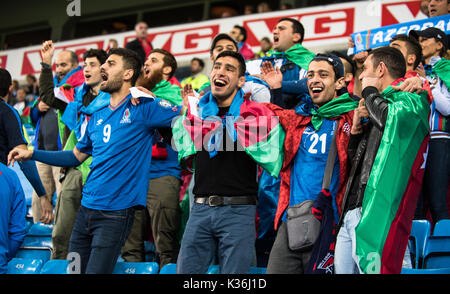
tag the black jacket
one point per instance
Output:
(136, 46)
(362, 150)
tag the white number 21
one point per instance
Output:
(315, 138)
(106, 133)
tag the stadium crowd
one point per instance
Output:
(280, 158)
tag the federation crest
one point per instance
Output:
(165, 104)
(126, 117)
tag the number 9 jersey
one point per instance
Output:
(120, 141)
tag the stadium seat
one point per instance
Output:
(437, 252)
(213, 269)
(137, 268)
(257, 270)
(37, 241)
(40, 229)
(420, 230)
(34, 253)
(55, 266)
(24, 266)
(170, 268)
(442, 228)
(420, 271)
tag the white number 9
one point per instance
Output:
(106, 133)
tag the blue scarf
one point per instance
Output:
(209, 111)
(70, 116)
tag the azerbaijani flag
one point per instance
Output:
(255, 126)
(391, 193)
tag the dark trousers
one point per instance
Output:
(435, 181)
(97, 238)
(283, 260)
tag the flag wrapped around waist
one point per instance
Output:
(379, 37)
(256, 129)
(391, 193)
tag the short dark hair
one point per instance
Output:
(100, 54)
(243, 32)
(5, 82)
(392, 58)
(168, 59)
(200, 62)
(238, 57)
(219, 37)
(297, 27)
(412, 47)
(130, 61)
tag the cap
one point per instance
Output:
(431, 33)
(334, 61)
(219, 37)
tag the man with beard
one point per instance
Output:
(165, 173)
(76, 106)
(115, 188)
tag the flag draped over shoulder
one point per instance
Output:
(167, 91)
(253, 125)
(442, 69)
(391, 194)
(297, 54)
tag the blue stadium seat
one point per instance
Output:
(420, 231)
(258, 270)
(37, 241)
(55, 266)
(442, 228)
(40, 229)
(24, 266)
(437, 252)
(213, 269)
(420, 271)
(136, 268)
(170, 268)
(34, 253)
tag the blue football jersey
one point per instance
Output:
(309, 165)
(120, 141)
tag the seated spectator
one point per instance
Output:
(249, 9)
(197, 79)
(285, 6)
(239, 34)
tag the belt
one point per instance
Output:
(216, 200)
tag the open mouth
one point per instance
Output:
(220, 83)
(316, 90)
(87, 76)
(104, 76)
(276, 39)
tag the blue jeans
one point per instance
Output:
(97, 238)
(228, 230)
(345, 258)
